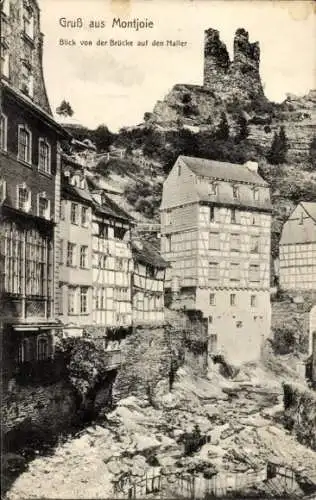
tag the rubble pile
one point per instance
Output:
(239, 420)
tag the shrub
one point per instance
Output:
(193, 441)
(279, 147)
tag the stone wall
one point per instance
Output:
(149, 355)
(300, 413)
(48, 409)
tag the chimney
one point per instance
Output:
(252, 166)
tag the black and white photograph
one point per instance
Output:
(158, 249)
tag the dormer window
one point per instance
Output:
(43, 206)
(3, 132)
(235, 192)
(44, 164)
(24, 144)
(23, 198)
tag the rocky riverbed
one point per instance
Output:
(240, 421)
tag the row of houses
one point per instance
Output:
(68, 262)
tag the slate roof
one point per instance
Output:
(77, 193)
(147, 254)
(222, 170)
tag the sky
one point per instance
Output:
(117, 85)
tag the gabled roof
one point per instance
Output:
(222, 170)
(310, 208)
(111, 208)
(146, 253)
(77, 193)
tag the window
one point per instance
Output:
(210, 319)
(168, 243)
(119, 266)
(214, 241)
(254, 220)
(213, 188)
(253, 300)
(301, 220)
(102, 231)
(38, 266)
(3, 132)
(239, 324)
(256, 194)
(43, 206)
(234, 271)
(235, 192)
(212, 214)
(5, 62)
(84, 216)
(28, 21)
(62, 210)
(74, 213)
(44, 156)
(233, 218)
(61, 252)
(27, 79)
(83, 300)
(71, 256)
(71, 300)
(232, 299)
(254, 244)
(179, 169)
(42, 348)
(23, 351)
(254, 272)
(235, 242)
(212, 299)
(24, 144)
(84, 257)
(213, 273)
(23, 198)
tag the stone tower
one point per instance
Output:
(238, 77)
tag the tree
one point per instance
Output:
(222, 132)
(243, 130)
(312, 153)
(64, 109)
(279, 147)
(102, 138)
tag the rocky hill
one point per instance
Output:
(228, 118)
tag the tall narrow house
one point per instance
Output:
(215, 227)
(30, 184)
(297, 270)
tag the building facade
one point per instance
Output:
(111, 266)
(30, 185)
(297, 256)
(147, 284)
(75, 273)
(215, 233)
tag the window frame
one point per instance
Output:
(39, 340)
(75, 222)
(233, 299)
(83, 257)
(72, 296)
(5, 58)
(83, 293)
(28, 202)
(4, 132)
(212, 300)
(28, 147)
(48, 170)
(72, 246)
(43, 196)
(84, 220)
